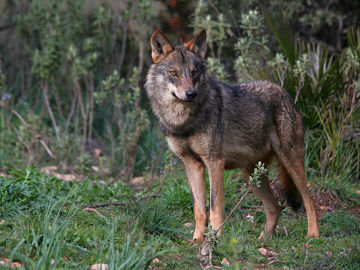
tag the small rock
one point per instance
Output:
(329, 253)
(138, 180)
(99, 266)
(48, 169)
(6, 262)
(95, 168)
(16, 265)
(250, 218)
(188, 224)
(3, 262)
(156, 260)
(225, 261)
(267, 252)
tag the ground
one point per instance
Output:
(47, 223)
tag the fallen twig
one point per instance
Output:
(306, 250)
(88, 209)
(233, 210)
(98, 205)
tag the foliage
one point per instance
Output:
(252, 47)
(215, 28)
(64, 72)
(259, 171)
(157, 218)
(20, 194)
(122, 105)
(216, 36)
(131, 255)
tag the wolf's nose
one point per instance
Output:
(191, 94)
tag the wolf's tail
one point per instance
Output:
(292, 195)
(290, 132)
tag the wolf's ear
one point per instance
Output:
(198, 44)
(160, 46)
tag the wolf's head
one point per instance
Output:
(179, 71)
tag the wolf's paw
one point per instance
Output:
(313, 235)
(198, 236)
(264, 236)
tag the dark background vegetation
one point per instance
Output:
(72, 100)
(74, 70)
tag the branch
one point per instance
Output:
(98, 205)
(2, 104)
(233, 210)
(52, 117)
(42, 142)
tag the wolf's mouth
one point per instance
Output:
(188, 100)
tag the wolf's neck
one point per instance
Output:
(177, 118)
(178, 112)
(184, 119)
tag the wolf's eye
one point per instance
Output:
(173, 72)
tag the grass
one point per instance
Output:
(44, 226)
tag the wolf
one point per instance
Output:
(212, 125)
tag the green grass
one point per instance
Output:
(43, 226)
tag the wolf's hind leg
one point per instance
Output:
(271, 206)
(288, 145)
(294, 165)
(195, 172)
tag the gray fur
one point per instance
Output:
(225, 127)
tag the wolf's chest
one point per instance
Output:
(199, 144)
(237, 152)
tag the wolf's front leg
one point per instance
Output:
(195, 171)
(216, 179)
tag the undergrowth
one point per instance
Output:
(51, 224)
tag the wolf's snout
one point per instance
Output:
(191, 94)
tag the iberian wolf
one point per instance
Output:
(213, 125)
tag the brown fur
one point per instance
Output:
(225, 127)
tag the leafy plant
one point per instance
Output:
(20, 194)
(69, 49)
(129, 117)
(157, 218)
(131, 255)
(251, 48)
